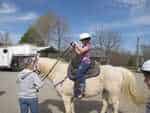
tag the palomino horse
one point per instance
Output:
(114, 80)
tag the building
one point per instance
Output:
(49, 52)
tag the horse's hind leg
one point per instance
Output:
(114, 96)
(69, 104)
(104, 106)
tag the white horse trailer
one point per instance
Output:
(12, 56)
(5, 57)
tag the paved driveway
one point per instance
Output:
(50, 102)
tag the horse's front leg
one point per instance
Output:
(69, 104)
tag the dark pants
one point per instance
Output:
(82, 69)
(26, 104)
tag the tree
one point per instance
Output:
(131, 61)
(43, 26)
(107, 40)
(5, 39)
(60, 30)
(32, 37)
(145, 49)
(48, 30)
(119, 58)
(51, 29)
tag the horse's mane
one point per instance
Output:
(46, 63)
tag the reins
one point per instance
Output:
(51, 69)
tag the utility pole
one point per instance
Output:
(138, 52)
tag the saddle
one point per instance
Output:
(93, 71)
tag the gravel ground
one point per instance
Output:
(50, 102)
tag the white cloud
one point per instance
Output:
(111, 25)
(135, 7)
(117, 24)
(26, 17)
(137, 22)
(141, 20)
(18, 18)
(6, 8)
(132, 3)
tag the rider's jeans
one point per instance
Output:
(82, 69)
(26, 104)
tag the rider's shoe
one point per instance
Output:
(81, 94)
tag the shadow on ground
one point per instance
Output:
(2, 93)
(80, 106)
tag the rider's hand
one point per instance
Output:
(73, 44)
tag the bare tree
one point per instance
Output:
(145, 49)
(5, 39)
(107, 40)
(60, 30)
(42, 27)
(51, 29)
(123, 58)
(1, 36)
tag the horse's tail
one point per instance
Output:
(129, 87)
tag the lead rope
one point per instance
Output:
(51, 69)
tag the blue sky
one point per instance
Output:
(131, 18)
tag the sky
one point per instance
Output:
(131, 18)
